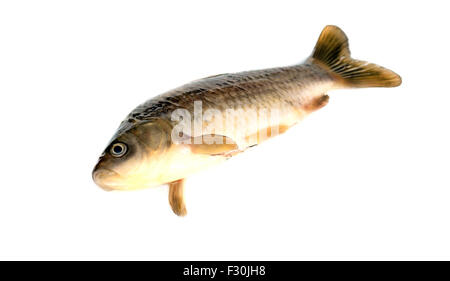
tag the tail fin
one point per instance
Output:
(332, 52)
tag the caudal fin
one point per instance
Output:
(333, 53)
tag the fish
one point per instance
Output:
(208, 121)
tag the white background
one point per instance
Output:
(366, 177)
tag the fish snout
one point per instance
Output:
(103, 177)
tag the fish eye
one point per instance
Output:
(118, 149)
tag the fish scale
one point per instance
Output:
(284, 89)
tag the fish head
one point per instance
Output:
(133, 157)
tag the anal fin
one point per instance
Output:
(317, 103)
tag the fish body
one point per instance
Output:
(207, 121)
(290, 90)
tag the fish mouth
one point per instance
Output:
(103, 177)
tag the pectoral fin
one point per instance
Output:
(176, 198)
(214, 145)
